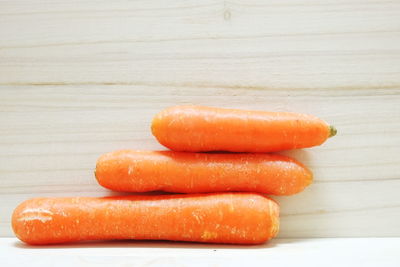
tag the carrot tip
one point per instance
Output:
(332, 131)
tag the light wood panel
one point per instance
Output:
(78, 79)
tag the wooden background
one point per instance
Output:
(81, 78)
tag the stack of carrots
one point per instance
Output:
(224, 198)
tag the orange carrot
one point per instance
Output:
(197, 128)
(238, 218)
(180, 172)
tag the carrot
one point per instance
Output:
(198, 128)
(238, 218)
(180, 172)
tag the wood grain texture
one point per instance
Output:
(78, 79)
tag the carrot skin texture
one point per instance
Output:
(200, 129)
(182, 172)
(237, 218)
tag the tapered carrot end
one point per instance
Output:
(332, 131)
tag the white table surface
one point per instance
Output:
(366, 252)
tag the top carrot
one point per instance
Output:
(199, 128)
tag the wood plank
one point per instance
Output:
(218, 43)
(52, 136)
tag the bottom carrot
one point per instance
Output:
(237, 218)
